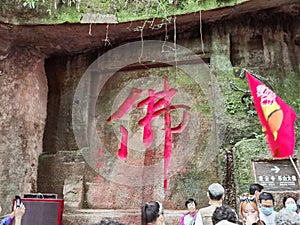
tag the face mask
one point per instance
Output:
(292, 207)
(267, 211)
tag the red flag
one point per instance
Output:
(277, 118)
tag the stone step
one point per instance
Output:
(128, 217)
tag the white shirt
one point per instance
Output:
(188, 219)
(198, 219)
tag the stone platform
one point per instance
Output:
(128, 217)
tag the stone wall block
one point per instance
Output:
(106, 195)
(73, 191)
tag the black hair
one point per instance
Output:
(107, 221)
(215, 197)
(190, 200)
(151, 211)
(286, 198)
(224, 212)
(266, 196)
(255, 187)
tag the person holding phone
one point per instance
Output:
(19, 212)
(16, 214)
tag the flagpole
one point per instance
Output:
(297, 171)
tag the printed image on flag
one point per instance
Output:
(277, 118)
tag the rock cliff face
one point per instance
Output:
(24, 109)
(41, 67)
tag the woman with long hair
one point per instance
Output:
(153, 213)
(248, 211)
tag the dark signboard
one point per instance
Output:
(276, 175)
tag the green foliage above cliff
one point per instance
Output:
(59, 11)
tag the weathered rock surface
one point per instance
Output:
(23, 99)
(41, 65)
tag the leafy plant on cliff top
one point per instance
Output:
(125, 10)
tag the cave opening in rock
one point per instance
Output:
(60, 151)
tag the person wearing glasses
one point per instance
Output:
(153, 213)
(266, 211)
(248, 211)
(189, 218)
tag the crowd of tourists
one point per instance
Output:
(255, 208)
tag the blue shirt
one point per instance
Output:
(6, 221)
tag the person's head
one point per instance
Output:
(216, 192)
(266, 200)
(153, 212)
(191, 205)
(255, 189)
(287, 217)
(224, 212)
(248, 208)
(107, 221)
(289, 202)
